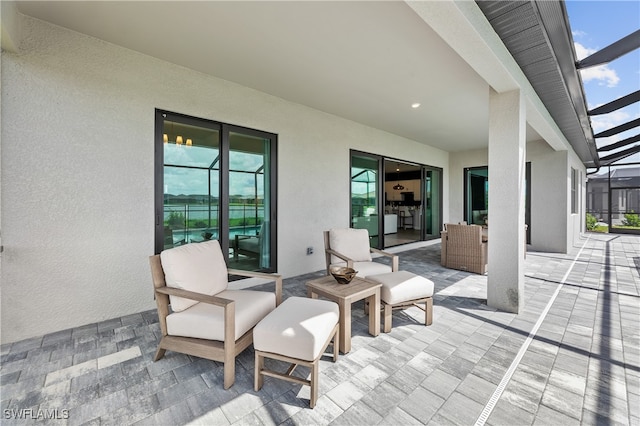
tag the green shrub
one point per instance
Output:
(176, 219)
(631, 219)
(591, 222)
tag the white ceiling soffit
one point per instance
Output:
(365, 61)
(10, 31)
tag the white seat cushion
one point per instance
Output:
(250, 244)
(353, 243)
(197, 267)
(402, 286)
(366, 269)
(298, 328)
(205, 321)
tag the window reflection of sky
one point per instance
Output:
(363, 182)
(181, 180)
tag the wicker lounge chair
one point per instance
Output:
(463, 249)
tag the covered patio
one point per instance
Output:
(571, 357)
(433, 84)
(443, 86)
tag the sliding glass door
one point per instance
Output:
(396, 201)
(190, 175)
(404, 203)
(216, 181)
(249, 200)
(432, 202)
(476, 196)
(476, 200)
(365, 195)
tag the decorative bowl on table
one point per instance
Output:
(342, 274)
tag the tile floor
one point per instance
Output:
(571, 357)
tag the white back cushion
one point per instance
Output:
(197, 267)
(353, 243)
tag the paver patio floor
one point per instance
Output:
(571, 357)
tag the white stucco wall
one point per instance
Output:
(77, 174)
(549, 207)
(554, 227)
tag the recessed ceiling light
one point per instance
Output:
(415, 105)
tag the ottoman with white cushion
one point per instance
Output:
(402, 289)
(298, 331)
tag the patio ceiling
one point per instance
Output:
(364, 61)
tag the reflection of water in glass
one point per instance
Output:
(202, 213)
(195, 235)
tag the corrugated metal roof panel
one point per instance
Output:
(514, 20)
(537, 36)
(525, 39)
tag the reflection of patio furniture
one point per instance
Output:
(350, 247)
(463, 248)
(168, 239)
(249, 245)
(297, 332)
(206, 319)
(401, 290)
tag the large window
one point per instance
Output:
(216, 181)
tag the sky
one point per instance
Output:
(196, 180)
(595, 25)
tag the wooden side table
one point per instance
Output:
(344, 295)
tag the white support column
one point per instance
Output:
(507, 150)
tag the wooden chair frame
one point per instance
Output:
(261, 371)
(329, 251)
(388, 310)
(225, 351)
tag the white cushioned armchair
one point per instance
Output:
(350, 247)
(198, 314)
